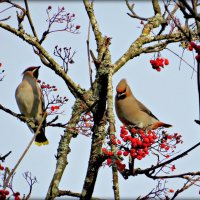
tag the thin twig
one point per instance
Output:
(153, 168)
(72, 194)
(29, 19)
(188, 184)
(182, 59)
(198, 84)
(6, 182)
(88, 51)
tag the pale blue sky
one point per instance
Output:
(171, 95)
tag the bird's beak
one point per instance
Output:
(119, 95)
(36, 72)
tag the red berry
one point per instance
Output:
(125, 139)
(125, 153)
(121, 167)
(1, 167)
(162, 145)
(43, 86)
(133, 154)
(173, 167)
(128, 137)
(151, 140)
(104, 150)
(133, 130)
(167, 148)
(139, 157)
(140, 152)
(119, 141)
(198, 48)
(48, 86)
(119, 153)
(152, 62)
(124, 131)
(114, 142)
(158, 69)
(6, 192)
(166, 62)
(17, 198)
(193, 44)
(139, 142)
(133, 150)
(78, 26)
(146, 140)
(141, 131)
(197, 57)
(117, 162)
(52, 108)
(171, 190)
(169, 137)
(190, 48)
(110, 153)
(109, 161)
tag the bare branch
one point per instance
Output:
(187, 185)
(94, 24)
(88, 52)
(156, 7)
(133, 14)
(111, 131)
(72, 194)
(153, 168)
(30, 19)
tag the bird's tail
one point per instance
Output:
(160, 124)
(41, 138)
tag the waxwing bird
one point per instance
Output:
(130, 111)
(30, 101)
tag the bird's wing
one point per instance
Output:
(145, 109)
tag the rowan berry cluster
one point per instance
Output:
(138, 143)
(85, 124)
(159, 63)
(193, 46)
(4, 193)
(54, 102)
(61, 16)
(111, 158)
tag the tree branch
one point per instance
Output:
(153, 168)
(64, 149)
(29, 19)
(72, 194)
(111, 131)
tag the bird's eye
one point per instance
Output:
(36, 74)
